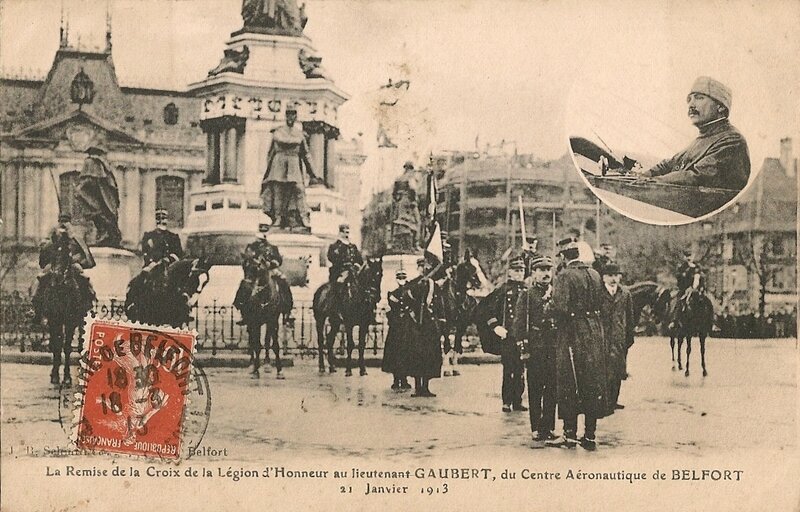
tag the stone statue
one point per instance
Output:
(310, 64)
(281, 17)
(405, 214)
(98, 198)
(283, 187)
(233, 60)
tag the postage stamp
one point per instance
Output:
(135, 383)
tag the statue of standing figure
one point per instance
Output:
(405, 213)
(274, 16)
(283, 187)
(98, 198)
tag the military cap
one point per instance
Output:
(161, 214)
(291, 108)
(408, 165)
(611, 269)
(343, 227)
(64, 217)
(516, 263)
(542, 262)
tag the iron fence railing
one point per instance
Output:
(216, 325)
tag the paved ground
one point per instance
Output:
(745, 406)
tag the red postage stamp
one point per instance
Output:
(135, 382)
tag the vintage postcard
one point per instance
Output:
(373, 254)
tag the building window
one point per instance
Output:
(68, 183)
(171, 114)
(169, 196)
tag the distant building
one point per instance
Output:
(750, 249)
(485, 189)
(156, 146)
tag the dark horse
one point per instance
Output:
(458, 307)
(165, 296)
(262, 303)
(64, 302)
(353, 306)
(682, 321)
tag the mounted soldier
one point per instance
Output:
(494, 317)
(343, 256)
(160, 247)
(690, 277)
(534, 330)
(260, 262)
(581, 352)
(63, 254)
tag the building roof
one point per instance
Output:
(519, 167)
(136, 111)
(768, 204)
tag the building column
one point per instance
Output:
(213, 162)
(331, 178)
(229, 173)
(317, 157)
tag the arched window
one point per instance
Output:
(169, 196)
(171, 114)
(68, 183)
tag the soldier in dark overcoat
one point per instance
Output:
(260, 261)
(581, 351)
(494, 317)
(618, 328)
(397, 340)
(534, 330)
(426, 327)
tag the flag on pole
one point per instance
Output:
(435, 249)
(432, 194)
(522, 224)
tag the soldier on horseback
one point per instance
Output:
(343, 255)
(689, 276)
(160, 247)
(63, 254)
(260, 261)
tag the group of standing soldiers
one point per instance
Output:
(570, 331)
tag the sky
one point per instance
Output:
(530, 72)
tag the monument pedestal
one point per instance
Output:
(114, 270)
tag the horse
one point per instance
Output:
(643, 294)
(353, 306)
(64, 302)
(459, 304)
(166, 295)
(263, 303)
(682, 322)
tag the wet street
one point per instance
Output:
(744, 410)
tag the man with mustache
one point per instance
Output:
(718, 157)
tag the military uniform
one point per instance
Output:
(397, 339)
(618, 329)
(534, 328)
(259, 259)
(160, 244)
(499, 308)
(63, 253)
(581, 352)
(426, 315)
(342, 256)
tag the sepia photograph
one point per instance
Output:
(376, 254)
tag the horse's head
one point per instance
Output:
(662, 302)
(188, 276)
(370, 276)
(467, 274)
